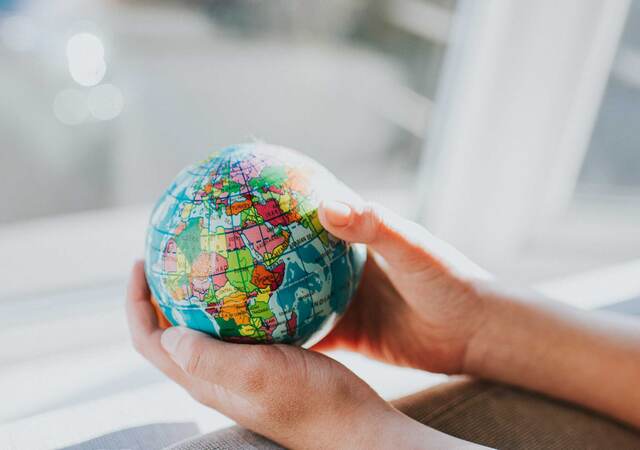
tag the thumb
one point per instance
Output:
(193, 351)
(206, 358)
(399, 241)
(405, 245)
(238, 368)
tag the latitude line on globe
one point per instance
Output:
(243, 267)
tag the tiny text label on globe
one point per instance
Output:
(235, 249)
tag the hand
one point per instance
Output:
(424, 305)
(296, 397)
(416, 305)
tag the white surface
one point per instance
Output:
(74, 250)
(59, 368)
(157, 403)
(596, 288)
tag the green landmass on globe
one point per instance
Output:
(235, 249)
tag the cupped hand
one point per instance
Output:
(298, 398)
(416, 304)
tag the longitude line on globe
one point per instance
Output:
(246, 182)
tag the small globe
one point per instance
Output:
(235, 249)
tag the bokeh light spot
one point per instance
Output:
(85, 55)
(105, 102)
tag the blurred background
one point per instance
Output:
(103, 102)
(508, 128)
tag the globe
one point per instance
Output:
(235, 249)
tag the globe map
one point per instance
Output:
(235, 249)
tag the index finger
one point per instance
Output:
(144, 328)
(140, 312)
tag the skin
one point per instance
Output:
(420, 304)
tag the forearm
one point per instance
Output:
(588, 358)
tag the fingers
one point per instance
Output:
(138, 305)
(395, 238)
(404, 245)
(374, 304)
(191, 350)
(285, 393)
(293, 396)
(205, 358)
(143, 326)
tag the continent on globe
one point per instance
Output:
(235, 249)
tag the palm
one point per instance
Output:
(410, 328)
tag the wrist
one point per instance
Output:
(500, 332)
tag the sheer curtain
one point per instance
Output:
(520, 91)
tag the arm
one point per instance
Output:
(588, 358)
(422, 304)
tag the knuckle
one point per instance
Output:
(194, 359)
(192, 366)
(375, 222)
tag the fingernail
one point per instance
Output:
(338, 213)
(171, 337)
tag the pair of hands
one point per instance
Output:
(416, 307)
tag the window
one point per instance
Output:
(600, 224)
(530, 160)
(612, 163)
